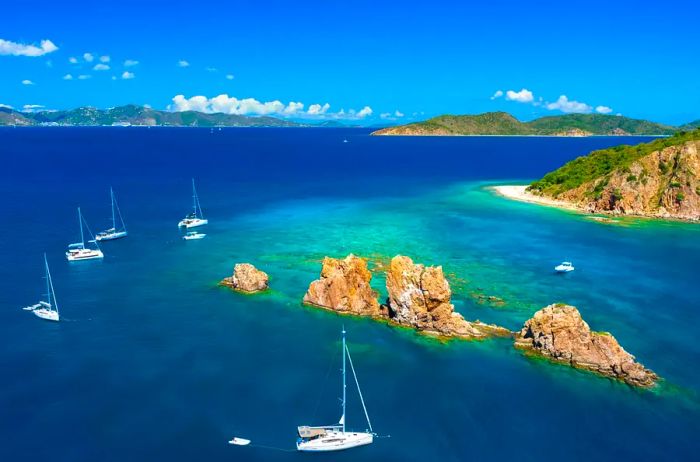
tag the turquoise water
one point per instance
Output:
(154, 361)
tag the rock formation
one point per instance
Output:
(420, 297)
(344, 286)
(559, 333)
(247, 278)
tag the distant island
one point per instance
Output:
(660, 179)
(504, 124)
(132, 115)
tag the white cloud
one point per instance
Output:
(101, 67)
(6, 106)
(32, 107)
(398, 113)
(498, 94)
(104, 59)
(130, 63)
(128, 75)
(68, 77)
(211, 69)
(84, 76)
(229, 76)
(293, 108)
(603, 109)
(567, 106)
(317, 109)
(88, 57)
(364, 112)
(73, 60)
(20, 49)
(522, 96)
(182, 63)
(385, 115)
(27, 82)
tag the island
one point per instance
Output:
(504, 124)
(247, 278)
(659, 179)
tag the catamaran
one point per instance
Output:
(79, 251)
(196, 218)
(113, 232)
(46, 309)
(336, 437)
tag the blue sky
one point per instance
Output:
(364, 61)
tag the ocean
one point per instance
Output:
(154, 361)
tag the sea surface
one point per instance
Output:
(154, 361)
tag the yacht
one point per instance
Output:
(79, 251)
(46, 309)
(564, 267)
(193, 235)
(196, 218)
(336, 437)
(113, 232)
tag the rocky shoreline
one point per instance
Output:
(420, 298)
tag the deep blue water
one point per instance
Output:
(153, 361)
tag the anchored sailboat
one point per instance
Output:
(46, 309)
(335, 437)
(196, 218)
(113, 232)
(79, 251)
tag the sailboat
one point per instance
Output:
(196, 218)
(79, 251)
(46, 309)
(336, 437)
(113, 232)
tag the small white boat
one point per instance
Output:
(196, 218)
(564, 267)
(46, 309)
(335, 437)
(193, 235)
(79, 251)
(239, 441)
(345, 140)
(113, 232)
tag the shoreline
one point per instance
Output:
(520, 194)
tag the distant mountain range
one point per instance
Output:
(136, 115)
(502, 123)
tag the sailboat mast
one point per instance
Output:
(49, 286)
(80, 221)
(114, 219)
(48, 282)
(194, 198)
(344, 385)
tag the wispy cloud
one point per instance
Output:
(101, 67)
(27, 82)
(567, 106)
(105, 59)
(229, 76)
(562, 104)
(603, 109)
(130, 63)
(32, 107)
(84, 76)
(73, 60)
(183, 63)
(88, 57)
(210, 69)
(128, 75)
(20, 49)
(497, 95)
(68, 77)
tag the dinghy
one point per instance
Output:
(564, 267)
(193, 235)
(239, 441)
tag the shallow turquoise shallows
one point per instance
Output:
(153, 361)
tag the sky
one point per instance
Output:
(368, 62)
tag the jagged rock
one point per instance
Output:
(247, 278)
(420, 297)
(344, 286)
(558, 332)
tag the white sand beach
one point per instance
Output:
(519, 193)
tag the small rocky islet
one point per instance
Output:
(419, 297)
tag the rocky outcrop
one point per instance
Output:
(574, 132)
(344, 286)
(663, 184)
(247, 278)
(420, 297)
(559, 333)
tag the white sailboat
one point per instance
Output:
(196, 218)
(336, 437)
(114, 232)
(79, 251)
(46, 309)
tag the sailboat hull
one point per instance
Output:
(46, 314)
(192, 222)
(335, 441)
(84, 254)
(110, 235)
